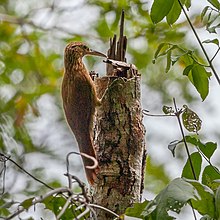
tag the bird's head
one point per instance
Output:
(75, 50)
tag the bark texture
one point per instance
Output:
(120, 145)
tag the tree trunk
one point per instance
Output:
(120, 145)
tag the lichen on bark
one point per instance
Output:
(120, 145)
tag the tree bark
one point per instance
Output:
(120, 146)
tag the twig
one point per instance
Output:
(68, 201)
(105, 209)
(93, 213)
(66, 192)
(23, 21)
(186, 147)
(3, 173)
(29, 174)
(60, 190)
(40, 199)
(81, 185)
(194, 214)
(82, 214)
(145, 112)
(184, 139)
(215, 54)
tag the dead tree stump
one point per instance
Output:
(119, 135)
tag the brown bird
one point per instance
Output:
(80, 100)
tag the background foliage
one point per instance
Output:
(33, 131)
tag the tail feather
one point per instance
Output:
(86, 147)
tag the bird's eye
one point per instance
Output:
(84, 47)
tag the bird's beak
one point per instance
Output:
(95, 53)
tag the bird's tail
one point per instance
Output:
(86, 147)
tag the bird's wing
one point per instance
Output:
(84, 106)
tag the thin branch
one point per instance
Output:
(81, 185)
(3, 173)
(184, 139)
(200, 43)
(82, 214)
(29, 174)
(145, 112)
(65, 207)
(93, 213)
(22, 21)
(66, 192)
(39, 199)
(59, 190)
(103, 208)
(215, 54)
(194, 213)
(186, 147)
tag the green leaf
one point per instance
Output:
(191, 120)
(159, 48)
(172, 146)
(196, 160)
(136, 210)
(208, 148)
(103, 28)
(174, 13)
(215, 3)
(168, 61)
(5, 206)
(166, 49)
(173, 198)
(204, 204)
(192, 139)
(160, 9)
(188, 4)
(217, 202)
(200, 79)
(186, 59)
(187, 70)
(209, 177)
(203, 13)
(206, 217)
(55, 204)
(210, 27)
(213, 41)
(26, 204)
(174, 59)
(167, 110)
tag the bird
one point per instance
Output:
(80, 101)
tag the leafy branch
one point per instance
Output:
(72, 203)
(177, 113)
(191, 122)
(196, 71)
(200, 43)
(208, 189)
